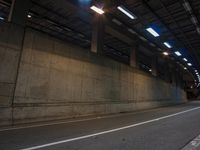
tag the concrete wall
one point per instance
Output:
(59, 80)
(11, 37)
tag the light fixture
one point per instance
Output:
(150, 70)
(167, 44)
(185, 68)
(29, 16)
(153, 32)
(97, 10)
(189, 64)
(178, 53)
(1, 18)
(126, 12)
(185, 59)
(165, 53)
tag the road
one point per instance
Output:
(168, 128)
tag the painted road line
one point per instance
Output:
(108, 131)
(193, 145)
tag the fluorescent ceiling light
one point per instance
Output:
(1, 18)
(165, 53)
(126, 12)
(185, 59)
(97, 10)
(153, 32)
(189, 64)
(167, 44)
(29, 16)
(178, 53)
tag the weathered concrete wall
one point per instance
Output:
(60, 80)
(11, 37)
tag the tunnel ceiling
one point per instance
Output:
(71, 20)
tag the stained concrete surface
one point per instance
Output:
(171, 133)
(60, 80)
(56, 80)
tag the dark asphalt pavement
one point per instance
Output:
(168, 128)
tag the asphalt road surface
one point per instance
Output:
(168, 128)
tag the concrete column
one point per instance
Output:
(170, 71)
(179, 77)
(154, 63)
(174, 75)
(97, 34)
(134, 54)
(18, 12)
(167, 70)
(174, 82)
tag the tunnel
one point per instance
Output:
(99, 74)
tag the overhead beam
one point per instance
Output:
(154, 65)
(134, 55)
(97, 34)
(118, 34)
(146, 4)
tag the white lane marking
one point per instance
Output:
(108, 131)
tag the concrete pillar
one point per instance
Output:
(18, 12)
(134, 55)
(167, 70)
(97, 34)
(174, 74)
(174, 82)
(180, 77)
(11, 44)
(171, 72)
(154, 64)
